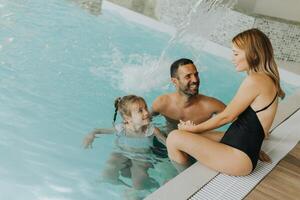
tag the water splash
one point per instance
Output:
(135, 79)
(193, 32)
(142, 73)
(197, 26)
(136, 73)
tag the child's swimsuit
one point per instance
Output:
(146, 141)
(246, 133)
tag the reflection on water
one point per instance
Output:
(145, 7)
(93, 6)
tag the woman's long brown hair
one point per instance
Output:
(259, 54)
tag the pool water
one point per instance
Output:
(60, 70)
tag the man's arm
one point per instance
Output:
(216, 105)
(157, 105)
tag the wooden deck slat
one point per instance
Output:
(283, 182)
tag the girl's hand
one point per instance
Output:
(88, 140)
(187, 126)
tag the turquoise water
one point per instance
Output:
(60, 70)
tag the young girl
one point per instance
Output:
(135, 137)
(252, 112)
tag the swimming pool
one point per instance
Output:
(60, 70)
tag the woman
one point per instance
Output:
(252, 112)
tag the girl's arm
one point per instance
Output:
(89, 138)
(103, 131)
(160, 136)
(246, 94)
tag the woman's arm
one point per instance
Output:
(89, 138)
(246, 94)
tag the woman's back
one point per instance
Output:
(267, 97)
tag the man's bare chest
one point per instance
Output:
(196, 114)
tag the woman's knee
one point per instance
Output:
(173, 138)
(173, 145)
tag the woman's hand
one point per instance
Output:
(187, 126)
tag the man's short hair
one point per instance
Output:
(177, 64)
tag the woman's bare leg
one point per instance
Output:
(209, 152)
(213, 135)
(217, 136)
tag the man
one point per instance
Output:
(186, 103)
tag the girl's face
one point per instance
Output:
(239, 59)
(139, 114)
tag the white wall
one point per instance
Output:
(285, 9)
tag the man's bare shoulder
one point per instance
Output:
(213, 100)
(161, 101)
(213, 103)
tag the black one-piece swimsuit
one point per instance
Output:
(247, 134)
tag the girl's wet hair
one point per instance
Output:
(122, 104)
(117, 101)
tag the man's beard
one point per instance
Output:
(188, 92)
